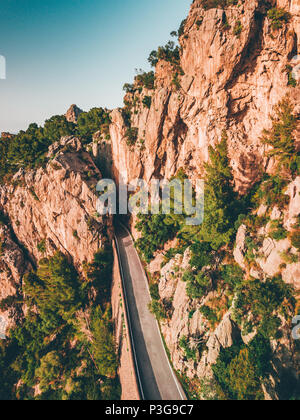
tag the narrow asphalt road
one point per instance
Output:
(156, 378)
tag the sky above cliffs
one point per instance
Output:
(60, 52)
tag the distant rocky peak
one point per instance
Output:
(73, 114)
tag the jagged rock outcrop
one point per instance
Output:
(235, 69)
(73, 113)
(55, 207)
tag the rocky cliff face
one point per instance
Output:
(232, 80)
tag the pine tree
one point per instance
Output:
(220, 198)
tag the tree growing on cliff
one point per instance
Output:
(281, 138)
(221, 201)
(27, 149)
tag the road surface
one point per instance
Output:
(156, 378)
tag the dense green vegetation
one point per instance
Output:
(103, 346)
(156, 231)
(145, 79)
(50, 348)
(213, 4)
(142, 80)
(259, 305)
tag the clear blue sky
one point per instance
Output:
(61, 52)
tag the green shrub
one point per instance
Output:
(198, 285)
(181, 28)
(221, 202)
(278, 17)
(144, 79)
(48, 346)
(190, 354)
(156, 231)
(91, 122)
(291, 80)
(128, 88)
(99, 272)
(209, 314)
(54, 288)
(192, 313)
(103, 345)
(57, 127)
(176, 82)
(75, 234)
(278, 232)
(214, 4)
(240, 369)
(49, 371)
(232, 275)
(200, 255)
(238, 28)
(271, 191)
(289, 258)
(27, 149)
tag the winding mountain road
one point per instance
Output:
(156, 378)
